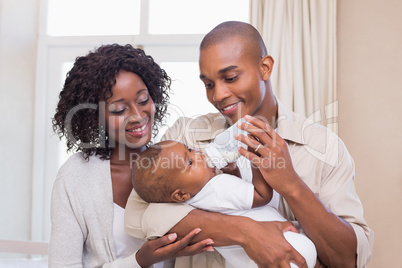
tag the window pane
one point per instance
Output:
(189, 97)
(93, 17)
(194, 17)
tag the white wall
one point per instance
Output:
(370, 114)
(18, 40)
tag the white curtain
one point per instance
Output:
(301, 37)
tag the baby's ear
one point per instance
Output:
(179, 196)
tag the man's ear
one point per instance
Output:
(267, 64)
(179, 196)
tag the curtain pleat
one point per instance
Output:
(301, 37)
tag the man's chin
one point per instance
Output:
(234, 116)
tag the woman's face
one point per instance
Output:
(129, 113)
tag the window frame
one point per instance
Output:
(45, 152)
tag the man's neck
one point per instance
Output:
(268, 111)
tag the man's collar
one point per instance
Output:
(288, 126)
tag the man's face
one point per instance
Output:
(234, 79)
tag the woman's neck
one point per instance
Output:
(121, 163)
(125, 155)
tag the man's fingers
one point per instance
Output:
(257, 122)
(288, 226)
(299, 260)
(261, 130)
(249, 155)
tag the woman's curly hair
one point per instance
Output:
(90, 81)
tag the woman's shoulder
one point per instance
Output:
(77, 167)
(83, 182)
(78, 160)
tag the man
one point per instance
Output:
(315, 177)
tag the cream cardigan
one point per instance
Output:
(82, 216)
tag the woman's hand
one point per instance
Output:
(167, 247)
(267, 247)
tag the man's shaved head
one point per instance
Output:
(231, 29)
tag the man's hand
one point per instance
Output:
(269, 152)
(272, 252)
(333, 236)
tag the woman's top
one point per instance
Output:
(125, 244)
(82, 215)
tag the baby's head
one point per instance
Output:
(169, 171)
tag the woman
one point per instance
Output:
(112, 100)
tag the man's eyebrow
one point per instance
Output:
(224, 70)
(229, 68)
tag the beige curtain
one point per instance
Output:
(301, 37)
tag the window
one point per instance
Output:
(193, 17)
(169, 30)
(127, 17)
(93, 17)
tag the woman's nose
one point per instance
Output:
(135, 114)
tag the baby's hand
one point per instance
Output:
(231, 169)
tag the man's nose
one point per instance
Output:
(221, 92)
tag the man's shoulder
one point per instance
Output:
(301, 129)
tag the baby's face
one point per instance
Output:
(189, 167)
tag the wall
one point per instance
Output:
(369, 36)
(18, 38)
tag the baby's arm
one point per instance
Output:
(232, 169)
(262, 191)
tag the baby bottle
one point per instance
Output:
(224, 149)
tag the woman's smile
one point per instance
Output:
(139, 130)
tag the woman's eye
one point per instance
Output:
(189, 149)
(190, 162)
(118, 112)
(144, 102)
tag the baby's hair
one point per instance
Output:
(150, 183)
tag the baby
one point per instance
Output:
(169, 171)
